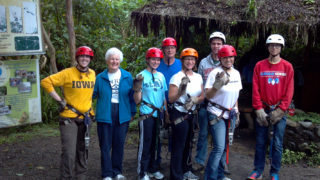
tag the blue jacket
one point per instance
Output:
(102, 91)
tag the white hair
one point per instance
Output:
(114, 51)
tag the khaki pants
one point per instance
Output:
(73, 149)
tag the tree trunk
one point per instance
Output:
(51, 50)
(70, 25)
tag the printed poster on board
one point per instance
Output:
(19, 92)
(20, 27)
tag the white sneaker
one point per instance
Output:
(107, 178)
(120, 177)
(145, 177)
(226, 178)
(156, 175)
(190, 176)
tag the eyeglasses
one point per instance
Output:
(277, 46)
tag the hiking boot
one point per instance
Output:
(197, 167)
(274, 176)
(120, 177)
(156, 175)
(254, 175)
(190, 176)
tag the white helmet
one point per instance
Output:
(218, 34)
(276, 39)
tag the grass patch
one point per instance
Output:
(26, 133)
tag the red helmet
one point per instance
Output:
(169, 41)
(226, 51)
(84, 50)
(154, 52)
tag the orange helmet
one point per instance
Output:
(226, 51)
(169, 41)
(189, 52)
(154, 52)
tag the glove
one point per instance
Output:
(221, 80)
(190, 102)
(62, 105)
(276, 116)
(261, 117)
(183, 85)
(137, 83)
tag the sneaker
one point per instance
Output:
(274, 176)
(145, 177)
(190, 176)
(197, 167)
(226, 178)
(254, 175)
(107, 178)
(120, 177)
(156, 175)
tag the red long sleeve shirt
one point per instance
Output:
(272, 83)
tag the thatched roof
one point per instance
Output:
(299, 19)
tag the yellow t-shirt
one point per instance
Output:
(77, 86)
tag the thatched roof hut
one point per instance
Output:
(297, 19)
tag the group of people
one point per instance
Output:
(171, 94)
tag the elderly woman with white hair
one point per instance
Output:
(115, 108)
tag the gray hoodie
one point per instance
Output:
(206, 65)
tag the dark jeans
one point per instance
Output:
(147, 147)
(182, 134)
(73, 149)
(112, 136)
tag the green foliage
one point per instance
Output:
(309, 2)
(252, 9)
(311, 116)
(292, 157)
(314, 159)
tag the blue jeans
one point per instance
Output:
(111, 140)
(215, 168)
(262, 144)
(202, 144)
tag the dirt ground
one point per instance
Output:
(39, 159)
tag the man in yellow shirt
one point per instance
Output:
(78, 84)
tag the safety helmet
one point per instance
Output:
(226, 51)
(218, 34)
(275, 39)
(154, 52)
(169, 41)
(84, 50)
(189, 52)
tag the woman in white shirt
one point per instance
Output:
(185, 91)
(222, 91)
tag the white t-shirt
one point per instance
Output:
(228, 95)
(193, 87)
(114, 79)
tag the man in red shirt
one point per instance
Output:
(272, 91)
